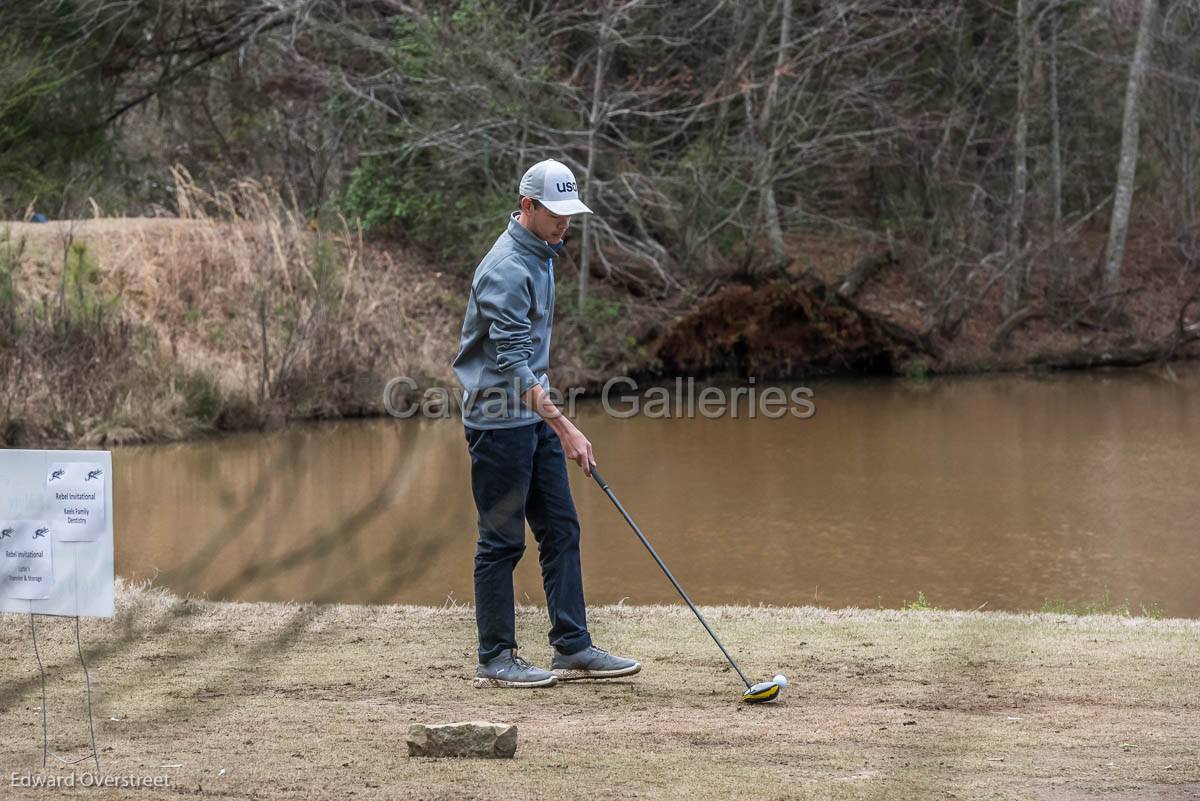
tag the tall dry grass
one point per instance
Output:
(235, 312)
(66, 351)
(289, 297)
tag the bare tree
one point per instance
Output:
(603, 49)
(1127, 167)
(1177, 108)
(1056, 162)
(765, 128)
(1015, 285)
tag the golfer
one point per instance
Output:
(518, 439)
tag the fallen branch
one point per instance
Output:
(863, 270)
(1165, 349)
(1081, 359)
(1014, 321)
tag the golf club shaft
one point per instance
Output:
(604, 486)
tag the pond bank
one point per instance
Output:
(279, 701)
(122, 331)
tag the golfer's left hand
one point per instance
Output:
(578, 449)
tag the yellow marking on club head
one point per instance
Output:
(769, 694)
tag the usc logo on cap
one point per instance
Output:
(554, 185)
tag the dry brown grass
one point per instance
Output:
(249, 312)
(240, 273)
(314, 701)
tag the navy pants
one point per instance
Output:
(520, 474)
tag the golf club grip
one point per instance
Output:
(599, 478)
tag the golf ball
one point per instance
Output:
(781, 680)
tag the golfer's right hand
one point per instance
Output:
(578, 449)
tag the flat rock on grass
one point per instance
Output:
(472, 739)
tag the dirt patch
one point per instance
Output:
(1156, 792)
(785, 329)
(912, 313)
(1067, 316)
(277, 701)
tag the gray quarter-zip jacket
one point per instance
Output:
(505, 347)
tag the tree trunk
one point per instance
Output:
(1015, 285)
(1056, 169)
(1127, 168)
(1180, 28)
(863, 270)
(1191, 170)
(602, 50)
(769, 208)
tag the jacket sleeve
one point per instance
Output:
(502, 295)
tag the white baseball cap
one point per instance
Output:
(553, 185)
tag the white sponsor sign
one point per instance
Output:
(76, 494)
(26, 559)
(58, 509)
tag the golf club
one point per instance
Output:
(755, 693)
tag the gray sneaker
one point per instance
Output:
(510, 670)
(591, 663)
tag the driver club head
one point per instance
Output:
(764, 691)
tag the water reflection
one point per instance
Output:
(997, 491)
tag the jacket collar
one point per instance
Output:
(528, 241)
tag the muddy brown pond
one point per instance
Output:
(991, 492)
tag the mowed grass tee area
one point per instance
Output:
(275, 701)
